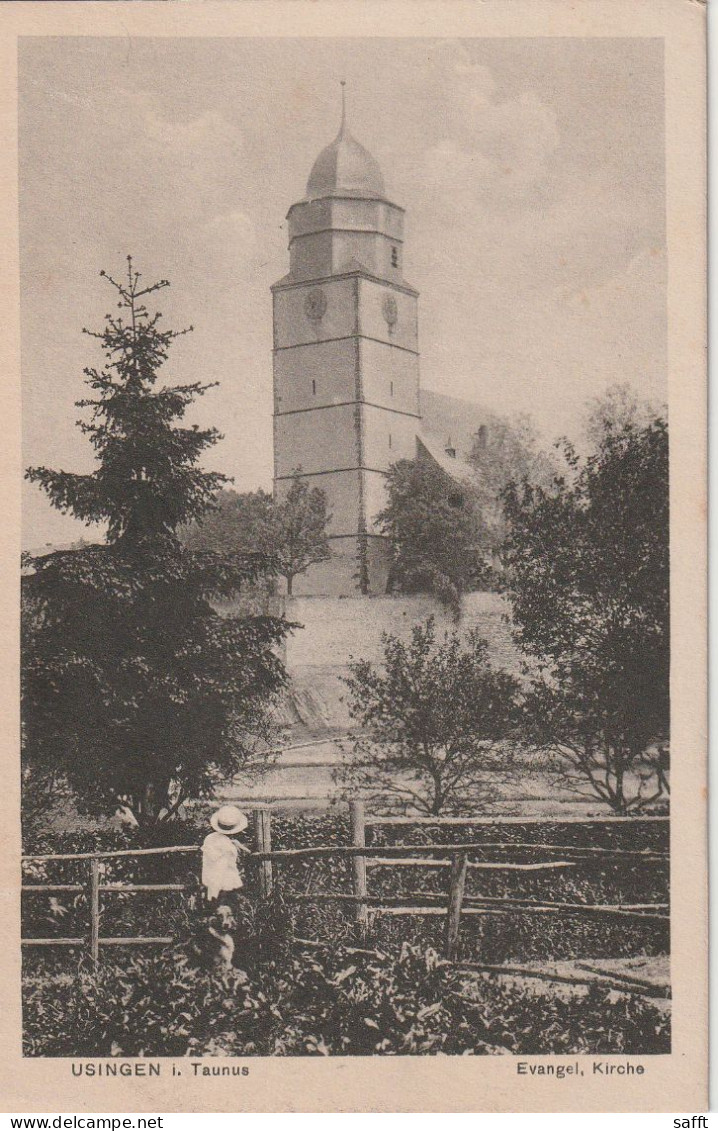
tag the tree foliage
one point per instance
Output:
(616, 409)
(133, 685)
(431, 722)
(333, 1001)
(437, 535)
(301, 520)
(506, 451)
(239, 523)
(291, 533)
(588, 578)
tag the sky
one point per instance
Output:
(531, 171)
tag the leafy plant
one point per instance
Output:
(437, 534)
(432, 722)
(587, 574)
(517, 937)
(334, 1003)
(290, 532)
(506, 450)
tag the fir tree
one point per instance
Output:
(133, 685)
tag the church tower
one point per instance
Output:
(346, 362)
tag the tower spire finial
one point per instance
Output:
(342, 128)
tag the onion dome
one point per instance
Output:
(345, 168)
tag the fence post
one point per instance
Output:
(95, 910)
(263, 841)
(358, 834)
(456, 897)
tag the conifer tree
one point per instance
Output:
(133, 684)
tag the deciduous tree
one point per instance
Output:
(239, 523)
(437, 535)
(617, 408)
(433, 720)
(290, 533)
(506, 451)
(587, 573)
(300, 522)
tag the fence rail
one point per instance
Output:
(173, 848)
(568, 820)
(116, 941)
(453, 905)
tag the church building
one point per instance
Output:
(346, 360)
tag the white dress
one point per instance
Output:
(219, 865)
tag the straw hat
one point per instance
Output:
(228, 819)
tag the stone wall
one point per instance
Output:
(336, 630)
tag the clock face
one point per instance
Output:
(390, 310)
(315, 305)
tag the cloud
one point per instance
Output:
(520, 133)
(207, 135)
(509, 202)
(235, 226)
(178, 167)
(504, 164)
(644, 272)
(470, 85)
(493, 151)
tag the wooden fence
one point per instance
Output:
(456, 857)
(95, 888)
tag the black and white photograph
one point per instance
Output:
(346, 568)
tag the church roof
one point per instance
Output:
(454, 466)
(345, 168)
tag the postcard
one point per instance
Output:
(354, 569)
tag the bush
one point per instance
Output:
(343, 1004)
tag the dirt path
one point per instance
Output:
(652, 972)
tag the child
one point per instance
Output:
(222, 879)
(220, 855)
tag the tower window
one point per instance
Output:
(395, 257)
(391, 388)
(390, 439)
(314, 388)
